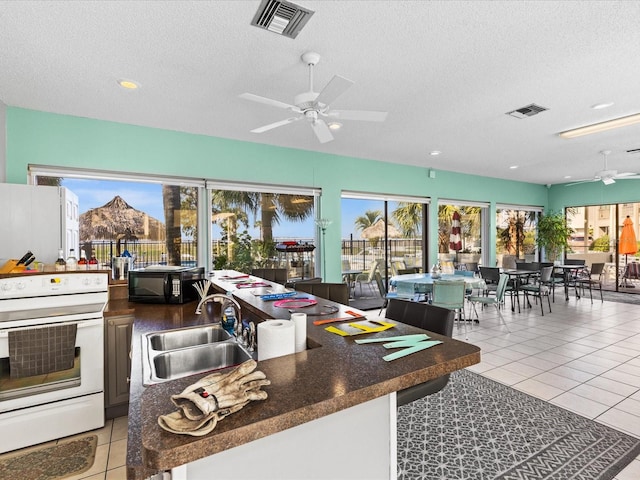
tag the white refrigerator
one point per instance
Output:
(39, 218)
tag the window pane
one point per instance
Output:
(516, 236)
(154, 223)
(263, 230)
(459, 237)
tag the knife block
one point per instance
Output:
(11, 266)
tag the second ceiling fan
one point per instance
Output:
(607, 176)
(315, 107)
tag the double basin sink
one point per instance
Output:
(177, 353)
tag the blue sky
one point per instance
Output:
(147, 197)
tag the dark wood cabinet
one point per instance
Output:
(117, 364)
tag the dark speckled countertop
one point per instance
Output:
(334, 375)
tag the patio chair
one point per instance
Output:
(541, 288)
(369, 277)
(336, 292)
(471, 266)
(496, 301)
(404, 291)
(491, 277)
(397, 266)
(277, 275)
(451, 295)
(428, 317)
(597, 270)
(631, 272)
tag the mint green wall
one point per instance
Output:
(50, 139)
(593, 193)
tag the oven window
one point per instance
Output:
(21, 387)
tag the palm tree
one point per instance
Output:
(368, 219)
(272, 208)
(171, 204)
(408, 216)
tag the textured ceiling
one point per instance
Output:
(447, 72)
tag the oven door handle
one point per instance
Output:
(84, 324)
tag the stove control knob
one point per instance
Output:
(20, 285)
(6, 287)
(86, 281)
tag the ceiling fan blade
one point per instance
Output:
(322, 131)
(628, 176)
(625, 175)
(269, 101)
(336, 87)
(582, 181)
(364, 115)
(271, 126)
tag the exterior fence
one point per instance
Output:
(359, 253)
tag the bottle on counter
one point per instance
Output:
(93, 262)
(83, 264)
(229, 319)
(72, 262)
(61, 264)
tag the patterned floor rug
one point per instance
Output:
(479, 429)
(50, 462)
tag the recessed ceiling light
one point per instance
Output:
(513, 167)
(128, 84)
(600, 106)
(567, 176)
(435, 153)
(335, 125)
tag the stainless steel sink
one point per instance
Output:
(186, 337)
(189, 361)
(177, 353)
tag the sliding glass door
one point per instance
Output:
(383, 234)
(596, 238)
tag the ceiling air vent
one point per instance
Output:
(283, 18)
(528, 111)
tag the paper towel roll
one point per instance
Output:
(276, 338)
(300, 321)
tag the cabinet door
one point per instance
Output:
(118, 360)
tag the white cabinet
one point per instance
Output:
(37, 218)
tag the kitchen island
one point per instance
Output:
(333, 399)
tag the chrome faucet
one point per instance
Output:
(219, 298)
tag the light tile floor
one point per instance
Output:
(583, 357)
(111, 451)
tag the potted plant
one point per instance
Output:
(553, 234)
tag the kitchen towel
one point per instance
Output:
(300, 322)
(41, 350)
(276, 338)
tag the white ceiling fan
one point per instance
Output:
(315, 107)
(607, 176)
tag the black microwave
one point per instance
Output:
(164, 284)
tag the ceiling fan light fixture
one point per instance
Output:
(608, 181)
(602, 126)
(335, 125)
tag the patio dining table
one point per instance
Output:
(519, 276)
(422, 283)
(349, 276)
(568, 271)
